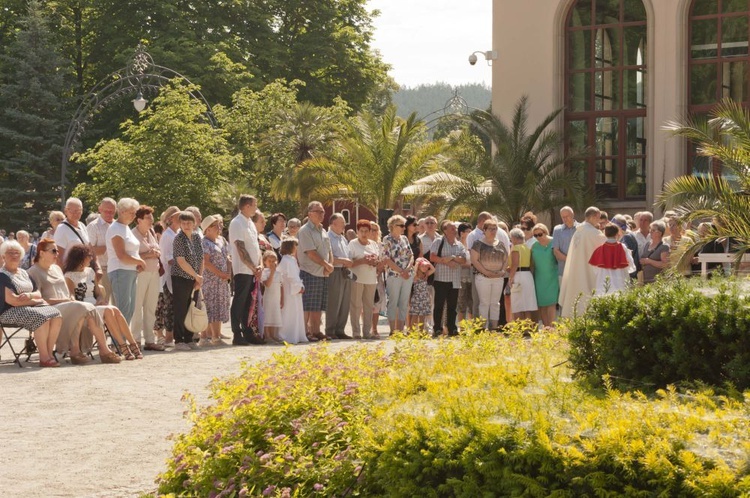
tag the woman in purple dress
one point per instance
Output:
(216, 276)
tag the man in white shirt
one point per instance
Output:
(643, 235)
(246, 266)
(339, 283)
(71, 232)
(97, 231)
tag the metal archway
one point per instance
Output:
(139, 78)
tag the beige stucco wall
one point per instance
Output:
(529, 38)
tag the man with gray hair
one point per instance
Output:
(97, 231)
(316, 265)
(562, 234)
(579, 278)
(339, 284)
(71, 232)
(643, 234)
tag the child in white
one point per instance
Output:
(292, 316)
(271, 297)
(612, 263)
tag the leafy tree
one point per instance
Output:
(375, 160)
(274, 132)
(725, 136)
(525, 172)
(33, 88)
(171, 156)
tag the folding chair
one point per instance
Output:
(6, 340)
(112, 342)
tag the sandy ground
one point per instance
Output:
(102, 430)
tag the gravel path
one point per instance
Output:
(101, 430)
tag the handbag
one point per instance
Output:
(196, 319)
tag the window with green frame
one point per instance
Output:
(605, 93)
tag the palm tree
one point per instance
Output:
(375, 160)
(725, 136)
(524, 172)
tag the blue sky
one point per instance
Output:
(426, 41)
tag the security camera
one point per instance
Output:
(472, 59)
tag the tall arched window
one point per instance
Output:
(719, 63)
(605, 93)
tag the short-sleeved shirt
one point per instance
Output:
(339, 246)
(132, 246)
(51, 283)
(443, 272)
(366, 274)
(242, 229)
(166, 246)
(561, 237)
(492, 257)
(146, 244)
(399, 251)
(650, 271)
(190, 249)
(313, 238)
(17, 282)
(68, 235)
(524, 255)
(97, 231)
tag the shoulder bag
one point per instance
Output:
(431, 278)
(196, 319)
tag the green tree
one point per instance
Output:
(522, 172)
(33, 90)
(375, 160)
(274, 132)
(170, 156)
(724, 136)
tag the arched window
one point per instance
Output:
(605, 93)
(719, 63)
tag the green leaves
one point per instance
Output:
(171, 156)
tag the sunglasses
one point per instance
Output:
(537, 235)
(53, 250)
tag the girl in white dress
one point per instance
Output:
(271, 297)
(80, 278)
(292, 316)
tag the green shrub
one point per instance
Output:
(665, 333)
(483, 415)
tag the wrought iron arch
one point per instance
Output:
(141, 77)
(455, 107)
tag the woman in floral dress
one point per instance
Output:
(216, 275)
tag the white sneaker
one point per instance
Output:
(181, 346)
(204, 342)
(218, 341)
(193, 345)
(169, 344)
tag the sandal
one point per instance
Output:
(136, 351)
(109, 358)
(312, 338)
(125, 352)
(51, 363)
(154, 346)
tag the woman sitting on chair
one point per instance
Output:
(49, 278)
(21, 304)
(79, 277)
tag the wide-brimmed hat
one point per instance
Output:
(210, 220)
(168, 213)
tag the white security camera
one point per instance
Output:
(489, 56)
(473, 59)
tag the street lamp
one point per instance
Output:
(139, 102)
(489, 56)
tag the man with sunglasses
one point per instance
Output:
(447, 254)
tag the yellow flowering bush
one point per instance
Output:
(481, 415)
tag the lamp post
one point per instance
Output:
(141, 76)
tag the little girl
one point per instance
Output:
(272, 299)
(292, 317)
(420, 298)
(80, 279)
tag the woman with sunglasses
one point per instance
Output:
(399, 264)
(80, 321)
(545, 273)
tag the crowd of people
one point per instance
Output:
(133, 277)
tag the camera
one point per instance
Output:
(473, 59)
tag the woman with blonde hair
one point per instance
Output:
(545, 274)
(521, 281)
(399, 266)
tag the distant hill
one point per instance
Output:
(426, 99)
